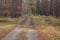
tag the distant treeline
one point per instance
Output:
(10, 8)
(48, 7)
(13, 8)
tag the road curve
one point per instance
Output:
(14, 34)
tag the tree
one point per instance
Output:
(38, 7)
(54, 7)
(45, 7)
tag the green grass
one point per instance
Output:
(56, 23)
(7, 22)
(27, 25)
(40, 20)
(57, 38)
(47, 20)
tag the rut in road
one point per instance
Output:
(31, 34)
(14, 34)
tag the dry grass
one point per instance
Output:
(27, 25)
(8, 25)
(5, 31)
(46, 27)
(48, 33)
(43, 35)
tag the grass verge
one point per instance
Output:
(42, 23)
(8, 24)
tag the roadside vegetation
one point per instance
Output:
(8, 24)
(47, 25)
(27, 25)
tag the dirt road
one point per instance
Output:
(31, 34)
(15, 33)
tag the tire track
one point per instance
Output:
(31, 34)
(14, 34)
(32, 23)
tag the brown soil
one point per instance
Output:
(53, 30)
(22, 36)
(42, 34)
(45, 34)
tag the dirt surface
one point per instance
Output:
(53, 30)
(42, 34)
(15, 32)
(47, 33)
(22, 36)
(5, 31)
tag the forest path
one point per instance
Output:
(15, 33)
(31, 34)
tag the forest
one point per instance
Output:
(29, 19)
(49, 7)
(14, 8)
